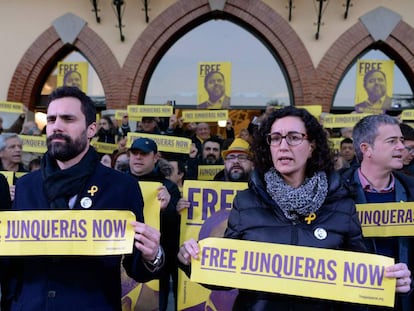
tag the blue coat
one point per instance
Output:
(73, 282)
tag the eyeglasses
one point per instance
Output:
(410, 150)
(292, 138)
(239, 157)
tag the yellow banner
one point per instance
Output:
(12, 107)
(207, 172)
(119, 114)
(9, 176)
(104, 147)
(35, 144)
(342, 120)
(143, 294)
(211, 202)
(205, 115)
(407, 115)
(66, 232)
(136, 112)
(295, 270)
(164, 142)
(73, 74)
(214, 85)
(336, 143)
(386, 219)
(315, 110)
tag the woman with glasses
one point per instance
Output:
(294, 197)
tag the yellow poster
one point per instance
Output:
(386, 219)
(143, 295)
(164, 142)
(73, 74)
(214, 85)
(295, 270)
(66, 232)
(211, 203)
(374, 86)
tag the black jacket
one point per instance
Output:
(256, 217)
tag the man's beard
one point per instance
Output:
(65, 151)
(239, 175)
(210, 159)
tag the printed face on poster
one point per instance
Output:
(374, 86)
(73, 74)
(214, 85)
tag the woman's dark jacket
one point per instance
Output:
(256, 217)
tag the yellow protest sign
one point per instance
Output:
(336, 143)
(214, 85)
(66, 232)
(207, 172)
(9, 176)
(136, 112)
(315, 110)
(295, 270)
(374, 85)
(164, 143)
(73, 74)
(342, 120)
(139, 294)
(35, 144)
(104, 147)
(210, 205)
(12, 107)
(120, 113)
(386, 219)
(204, 115)
(407, 115)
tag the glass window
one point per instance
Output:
(256, 77)
(402, 96)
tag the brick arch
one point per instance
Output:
(353, 43)
(41, 57)
(184, 15)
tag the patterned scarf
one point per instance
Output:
(60, 185)
(297, 202)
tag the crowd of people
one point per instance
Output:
(285, 157)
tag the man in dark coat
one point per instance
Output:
(71, 177)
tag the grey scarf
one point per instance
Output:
(297, 202)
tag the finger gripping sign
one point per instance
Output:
(66, 232)
(295, 270)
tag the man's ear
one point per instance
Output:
(91, 130)
(365, 149)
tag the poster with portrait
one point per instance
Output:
(210, 205)
(73, 74)
(374, 86)
(214, 85)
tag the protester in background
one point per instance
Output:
(70, 169)
(238, 162)
(17, 125)
(144, 166)
(379, 145)
(106, 131)
(293, 178)
(124, 129)
(106, 160)
(347, 151)
(34, 165)
(408, 153)
(120, 161)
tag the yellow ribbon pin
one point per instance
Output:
(92, 190)
(311, 217)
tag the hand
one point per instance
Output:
(193, 151)
(182, 204)
(147, 240)
(188, 250)
(402, 274)
(163, 196)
